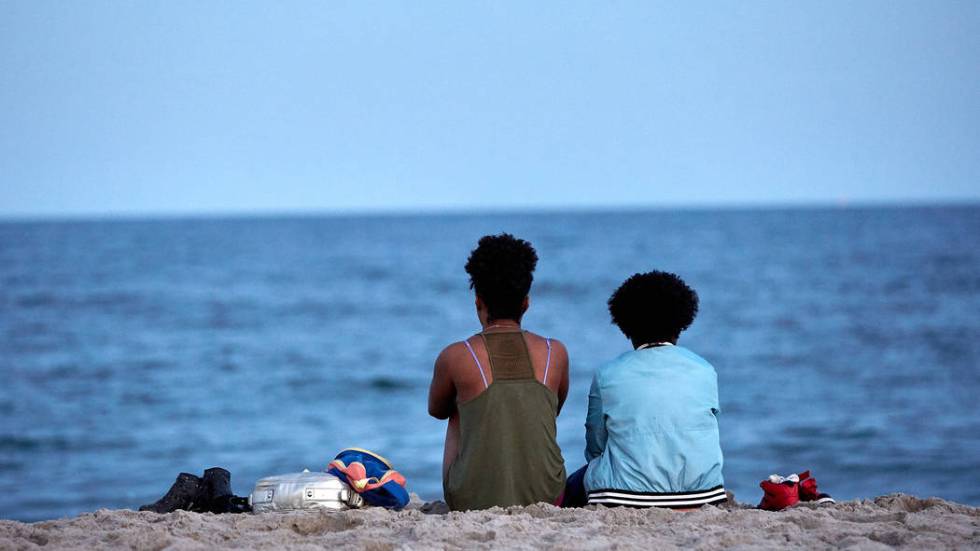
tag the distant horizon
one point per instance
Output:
(491, 210)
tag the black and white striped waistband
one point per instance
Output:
(679, 500)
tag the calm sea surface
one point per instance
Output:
(847, 341)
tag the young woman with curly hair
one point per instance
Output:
(501, 390)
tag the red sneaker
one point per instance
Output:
(808, 490)
(780, 492)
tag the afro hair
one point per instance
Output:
(501, 270)
(653, 307)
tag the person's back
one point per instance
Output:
(501, 391)
(663, 401)
(651, 434)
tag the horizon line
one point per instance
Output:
(492, 210)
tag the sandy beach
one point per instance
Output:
(893, 521)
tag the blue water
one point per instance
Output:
(847, 341)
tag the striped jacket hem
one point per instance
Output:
(673, 500)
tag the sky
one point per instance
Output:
(157, 107)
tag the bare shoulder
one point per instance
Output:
(452, 354)
(558, 349)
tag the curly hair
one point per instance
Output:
(653, 307)
(501, 270)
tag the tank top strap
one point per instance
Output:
(509, 356)
(547, 365)
(478, 366)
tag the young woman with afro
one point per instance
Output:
(652, 428)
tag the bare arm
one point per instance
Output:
(561, 362)
(442, 391)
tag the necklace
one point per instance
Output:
(498, 326)
(654, 345)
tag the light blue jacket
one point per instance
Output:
(652, 425)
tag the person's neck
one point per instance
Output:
(502, 324)
(639, 343)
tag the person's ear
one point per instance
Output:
(526, 303)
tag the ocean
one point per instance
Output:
(846, 340)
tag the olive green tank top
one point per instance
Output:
(508, 452)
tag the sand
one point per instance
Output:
(890, 521)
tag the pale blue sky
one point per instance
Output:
(184, 107)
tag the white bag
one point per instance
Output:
(305, 490)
